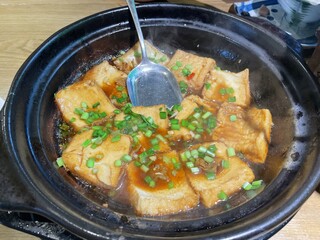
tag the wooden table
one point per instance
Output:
(25, 24)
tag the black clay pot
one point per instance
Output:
(279, 81)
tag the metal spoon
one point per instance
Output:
(149, 83)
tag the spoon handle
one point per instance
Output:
(133, 10)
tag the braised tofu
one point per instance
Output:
(247, 131)
(132, 57)
(111, 80)
(160, 187)
(195, 114)
(84, 103)
(224, 86)
(153, 113)
(96, 165)
(190, 69)
(210, 171)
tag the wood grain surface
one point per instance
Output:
(25, 24)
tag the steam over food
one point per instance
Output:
(199, 152)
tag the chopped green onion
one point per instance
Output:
(163, 115)
(117, 111)
(152, 184)
(148, 133)
(184, 123)
(120, 88)
(137, 54)
(86, 143)
(60, 162)
(183, 157)
(188, 154)
(116, 138)
(225, 163)
(84, 105)
(72, 119)
(247, 186)
(95, 105)
(191, 127)
(118, 163)
(196, 115)
(233, 118)
(256, 184)
(212, 148)
(163, 59)
(206, 115)
(222, 195)
(222, 91)
(189, 164)
(178, 64)
(137, 163)
(161, 138)
(210, 175)
(126, 158)
(202, 149)
(154, 141)
(195, 153)
(195, 170)
(231, 152)
(175, 67)
(207, 85)
(144, 168)
(175, 127)
(84, 115)
(208, 159)
(170, 185)
(210, 153)
(232, 99)
(90, 162)
(148, 179)
(230, 90)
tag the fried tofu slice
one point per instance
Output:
(152, 112)
(162, 189)
(190, 68)
(132, 57)
(111, 80)
(189, 104)
(103, 172)
(144, 142)
(224, 86)
(214, 177)
(84, 103)
(249, 133)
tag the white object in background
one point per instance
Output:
(306, 11)
(1, 103)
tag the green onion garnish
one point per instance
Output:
(95, 105)
(170, 185)
(233, 118)
(90, 162)
(60, 162)
(231, 152)
(116, 138)
(222, 195)
(86, 143)
(232, 99)
(117, 163)
(210, 175)
(225, 163)
(163, 115)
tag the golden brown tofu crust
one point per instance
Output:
(199, 68)
(88, 92)
(132, 57)
(160, 200)
(238, 82)
(104, 173)
(249, 134)
(229, 180)
(111, 80)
